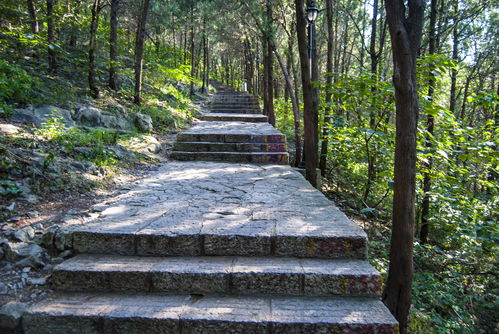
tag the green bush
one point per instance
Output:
(16, 85)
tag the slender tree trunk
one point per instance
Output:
(310, 94)
(455, 53)
(32, 16)
(50, 36)
(295, 106)
(268, 101)
(113, 46)
(92, 84)
(430, 126)
(74, 25)
(139, 50)
(193, 68)
(406, 25)
(329, 81)
(374, 55)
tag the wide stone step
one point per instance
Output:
(226, 275)
(234, 99)
(223, 238)
(232, 132)
(279, 158)
(234, 104)
(230, 138)
(164, 313)
(229, 147)
(234, 117)
(241, 110)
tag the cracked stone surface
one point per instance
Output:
(197, 208)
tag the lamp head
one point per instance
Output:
(312, 12)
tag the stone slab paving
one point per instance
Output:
(164, 313)
(207, 208)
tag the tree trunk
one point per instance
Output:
(113, 46)
(92, 84)
(268, 99)
(430, 125)
(329, 81)
(374, 55)
(32, 16)
(139, 50)
(50, 37)
(455, 50)
(310, 94)
(405, 26)
(296, 108)
(191, 90)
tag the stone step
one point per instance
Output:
(219, 274)
(234, 117)
(234, 104)
(249, 106)
(279, 158)
(241, 110)
(184, 234)
(230, 138)
(229, 147)
(165, 313)
(234, 98)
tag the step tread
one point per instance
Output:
(216, 264)
(210, 207)
(221, 114)
(231, 128)
(216, 313)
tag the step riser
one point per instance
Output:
(234, 105)
(271, 158)
(234, 119)
(48, 324)
(236, 111)
(233, 138)
(220, 245)
(221, 147)
(234, 98)
(294, 284)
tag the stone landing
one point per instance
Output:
(207, 247)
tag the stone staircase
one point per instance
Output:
(234, 131)
(211, 247)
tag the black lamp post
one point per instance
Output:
(312, 12)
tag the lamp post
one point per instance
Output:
(312, 12)
(311, 15)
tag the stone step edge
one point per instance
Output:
(225, 275)
(231, 138)
(280, 158)
(229, 147)
(347, 246)
(155, 313)
(228, 118)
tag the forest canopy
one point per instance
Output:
(145, 52)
